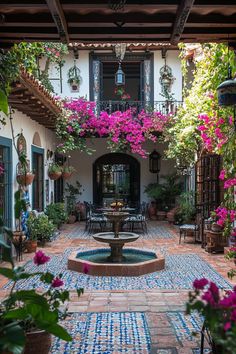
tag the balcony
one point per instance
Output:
(164, 107)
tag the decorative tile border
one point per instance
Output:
(179, 273)
(105, 333)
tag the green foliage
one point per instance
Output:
(54, 168)
(27, 310)
(56, 213)
(210, 70)
(165, 193)
(186, 210)
(72, 192)
(40, 227)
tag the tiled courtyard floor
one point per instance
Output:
(136, 314)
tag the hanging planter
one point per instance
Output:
(24, 176)
(67, 172)
(54, 171)
(74, 78)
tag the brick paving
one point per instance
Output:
(155, 303)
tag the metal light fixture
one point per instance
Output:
(120, 49)
(120, 77)
(155, 162)
(166, 78)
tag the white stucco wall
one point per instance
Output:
(172, 60)
(28, 127)
(84, 168)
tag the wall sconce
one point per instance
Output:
(166, 78)
(155, 163)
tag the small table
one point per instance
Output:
(185, 228)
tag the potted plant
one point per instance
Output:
(74, 78)
(218, 310)
(40, 228)
(24, 176)
(67, 171)
(29, 317)
(31, 242)
(56, 213)
(54, 171)
(72, 192)
(185, 213)
(19, 207)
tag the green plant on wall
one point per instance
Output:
(211, 68)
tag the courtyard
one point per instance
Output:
(143, 314)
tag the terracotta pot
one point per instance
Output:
(55, 175)
(215, 227)
(82, 210)
(66, 175)
(38, 342)
(161, 215)
(31, 246)
(25, 179)
(71, 219)
(152, 211)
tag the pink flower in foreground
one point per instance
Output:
(40, 258)
(200, 283)
(227, 326)
(57, 282)
(85, 268)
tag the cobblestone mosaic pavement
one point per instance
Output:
(163, 307)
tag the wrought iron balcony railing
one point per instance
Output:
(164, 107)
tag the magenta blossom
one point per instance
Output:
(222, 175)
(85, 268)
(200, 283)
(57, 282)
(40, 258)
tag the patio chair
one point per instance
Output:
(186, 229)
(138, 220)
(94, 219)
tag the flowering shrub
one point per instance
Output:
(124, 130)
(219, 311)
(24, 311)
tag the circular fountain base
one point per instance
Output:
(136, 262)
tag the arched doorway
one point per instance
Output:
(116, 175)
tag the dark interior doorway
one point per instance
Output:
(132, 72)
(116, 176)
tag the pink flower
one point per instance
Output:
(1, 169)
(200, 283)
(57, 282)
(222, 174)
(85, 268)
(40, 258)
(227, 326)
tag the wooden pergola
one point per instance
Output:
(162, 21)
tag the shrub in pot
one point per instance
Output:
(54, 171)
(186, 212)
(19, 207)
(67, 172)
(26, 315)
(24, 176)
(40, 228)
(56, 213)
(72, 191)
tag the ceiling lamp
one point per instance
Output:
(120, 49)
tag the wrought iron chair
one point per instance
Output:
(94, 218)
(138, 220)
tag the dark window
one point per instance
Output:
(5, 184)
(38, 183)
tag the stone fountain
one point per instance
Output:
(116, 261)
(116, 239)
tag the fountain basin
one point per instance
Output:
(136, 262)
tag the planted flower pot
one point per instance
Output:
(71, 219)
(25, 179)
(31, 246)
(215, 227)
(54, 175)
(66, 175)
(38, 342)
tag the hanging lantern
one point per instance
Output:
(154, 162)
(227, 93)
(120, 76)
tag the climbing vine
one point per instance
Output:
(210, 70)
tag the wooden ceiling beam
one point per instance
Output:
(182, 14)
(59, 19)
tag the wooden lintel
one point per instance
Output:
(182, 14)
(59, 19)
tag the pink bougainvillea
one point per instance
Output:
(124, 130)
